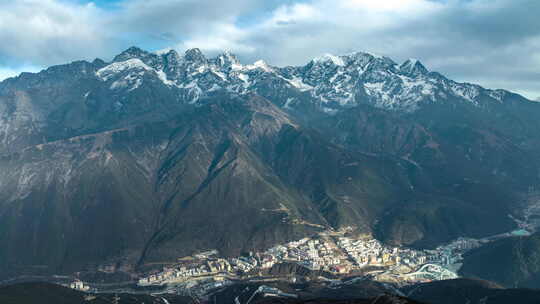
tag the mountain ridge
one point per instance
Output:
(152, 157)
(412, 82)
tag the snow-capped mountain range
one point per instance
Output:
(331, 82)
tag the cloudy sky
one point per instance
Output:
(495, 43)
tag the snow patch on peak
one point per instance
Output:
(299, 84)
(218, 73)
(114, 68)
(260, 64)
(136, 70)
(363, 55)
(228, 60)
(243, 77)
(466, 91)
(329, 58)
(237, 67)
(163, 77)
(498, 94)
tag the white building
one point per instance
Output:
(79, 285)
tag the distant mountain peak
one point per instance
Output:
(359, 54)
(132, 52)
(171, 52)
(413, 67)
(228, 59)
(329, 58)
(134, 49)
(172, 57)
(194, 55)
(261, 64)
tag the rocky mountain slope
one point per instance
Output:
(517, 260)
(151, 157)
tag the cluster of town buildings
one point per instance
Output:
(336, 254)
(315, 254)
(339, 255)
(202, 268)
(371, 252)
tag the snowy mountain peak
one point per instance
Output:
(121, 66)
(260, 64)
(228, 60)
(329, 58)
(194, 55)
(413, 67)
(363, 55)
(172, 55)
(132, 52)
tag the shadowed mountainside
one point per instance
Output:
(517, 260)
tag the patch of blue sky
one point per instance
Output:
(104, 4)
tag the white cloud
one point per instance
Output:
(178, 18)
(389, 5)
(7, 73)
(300, 12)
(50, 31)
(226, 37)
